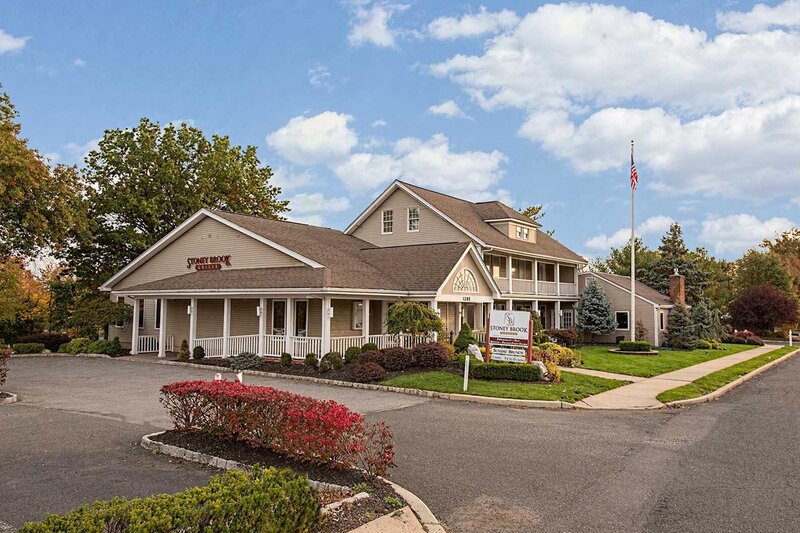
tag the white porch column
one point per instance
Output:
(226, 326)
(135, 328)
(433, 305)
(326, 326)
(384, 313)
(192, 324)
(535, 277)
(557, 320)
(558, 279)
(656, 326)
(262, 326)
(365, 319)
(162, 329)
(290, 310)
(508, 271)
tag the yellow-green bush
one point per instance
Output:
(554, 353)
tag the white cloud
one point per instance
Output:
(9, 43)
(314, 140)
(315, 219)
(591, 77)
(733, 234)
(78, 152)
(378, 123)
(447, 109)
(429, 163)
(761, 17)
(317, 203)
(370, 23)
(320, 76)
(52, 157)
(78, 62)
(472, 25)
(621, 237)
(288, 178)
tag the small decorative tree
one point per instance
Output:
(414, 318)
(680, 328)
(641, 331)
(465, 338)
(703, 320)
(762, 309)
(594, 314)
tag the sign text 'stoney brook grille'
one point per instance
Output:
(211, 262)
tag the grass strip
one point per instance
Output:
(573, 387)
(720, 378)
(599, 358)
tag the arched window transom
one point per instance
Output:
(465, 281)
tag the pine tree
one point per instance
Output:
(703, 320)
(674, 256)
(464, 339)
(594, 314)
(680, 328)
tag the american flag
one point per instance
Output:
(634, 174)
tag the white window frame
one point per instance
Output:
(408, 219)
(390, 212)
(519, 232)
(474, 278)
(525, 233)
(157, 314)
(567, 313)
(616, 322)
(141, 313)
(356, 306)
(308, 309)
(285, 310)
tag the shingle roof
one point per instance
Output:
(349, 262)
(645, 291)
(471, 217)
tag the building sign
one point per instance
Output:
(211, 262)
(511, 355)
(509, 327)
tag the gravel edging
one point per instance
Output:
(426, 517)
(8, 399)
(713, 395)
(508, 402)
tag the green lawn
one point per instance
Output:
(722, 377)
(599, 358)
(573, 387)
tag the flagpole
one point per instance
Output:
(633, 257)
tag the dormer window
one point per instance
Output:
(387, 222)
(523, 233)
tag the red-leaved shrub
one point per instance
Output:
(431, 355)
(323, 432)
(371, 356)
(367, 372)
(397, 358)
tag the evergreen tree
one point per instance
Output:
(465, 338)
(674, 256)
(703, 319)
(594, 314)
(680, 328)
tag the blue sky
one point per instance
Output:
(524, 101)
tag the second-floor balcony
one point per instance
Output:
(529, 287)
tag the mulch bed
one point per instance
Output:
(345, 518)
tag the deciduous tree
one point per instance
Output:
(758, 268)
(619, 260)
(762, 309)
(414, 318)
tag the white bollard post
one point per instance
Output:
(239, 376)
(466, 371)
(790, 338)
(217, 377)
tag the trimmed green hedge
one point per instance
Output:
(28, 347)
(268, 500)
(634, 346)
(509, 371)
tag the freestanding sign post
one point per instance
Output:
(509, 336)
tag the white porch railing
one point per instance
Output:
(149, 344)
(243, 343)
(523, 286)
(274, 345)
(211, 345)
(403, 341)
(479, 335)
(568, 289)
(548, 288)
(298, 347)
(341, 344)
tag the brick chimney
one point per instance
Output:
(677, 288)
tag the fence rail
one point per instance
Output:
(299, 347)
(212, 346)
(341, 344)
(242, 343)
(149, 344)
(403, 341)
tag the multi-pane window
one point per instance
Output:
(521, 269)
(358, 315)
(622, 320)
(413, 219)
(158, 314)
(566, 321)
(522, 233)
(387, 222)
(496, 265)
(279, 317)
(301, 318)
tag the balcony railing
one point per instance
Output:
(547, 288)
(523, 286)
(568, 289)
(540, 288)
(502, 284)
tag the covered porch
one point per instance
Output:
(268, 325)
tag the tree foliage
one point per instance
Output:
(38, 204)
(786, 248)
(680, 328)
(763, 308)
(414, 318)
(758, 268)
(24, 301)
(594, 313)
(465, 338)
(619, 259)
(141, 182)
(674, 256)
(703, 319)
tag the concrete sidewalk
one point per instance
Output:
(642, 393)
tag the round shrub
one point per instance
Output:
(451, 350)
(286, 359)
(51, 341)
(369, 347)
(76, 346)
(703, 344)
(311, 360)
(100, 346)
(553, 372)
(465, 338)
(198, 353)
(28, 347)
(324, 365)
(431, 355)
(367, 372)
(335, 359)
(351, 354)
(244, 361)
(372, 356)
(397, 359)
